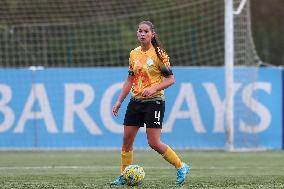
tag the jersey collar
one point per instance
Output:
(148, 51)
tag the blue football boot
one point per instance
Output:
(118, 181)
(181, 173)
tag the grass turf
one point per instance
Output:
(95, 169)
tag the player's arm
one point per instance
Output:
(167, 72)
(168, 81)
(124, 92)
(126, 88)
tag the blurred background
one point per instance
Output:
(268, 28)
(61, 32)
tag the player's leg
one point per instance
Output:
(153, 135)
(129, 135)
(154, 141)
(132, 121)
(154, 118)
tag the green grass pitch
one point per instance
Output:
(95, 169)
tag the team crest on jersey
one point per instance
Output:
(150, 62)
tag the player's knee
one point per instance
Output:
(154, 145)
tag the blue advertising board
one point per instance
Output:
(71, 108)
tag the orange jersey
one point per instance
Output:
(148, 70)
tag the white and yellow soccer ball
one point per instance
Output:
(134, 175)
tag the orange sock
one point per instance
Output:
(171, 157)
(126, 159)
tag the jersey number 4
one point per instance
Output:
(157, 116)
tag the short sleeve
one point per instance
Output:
(165, 65)
(130, 66)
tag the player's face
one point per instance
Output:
(144, 34)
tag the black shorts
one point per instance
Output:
(150, 113)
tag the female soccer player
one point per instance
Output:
(149, 74)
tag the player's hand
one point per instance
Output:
(116, 108)
(148, 91)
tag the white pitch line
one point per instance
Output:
(116, 167)
(58, 167)
(71, 167)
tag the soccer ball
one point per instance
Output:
(134, 175)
